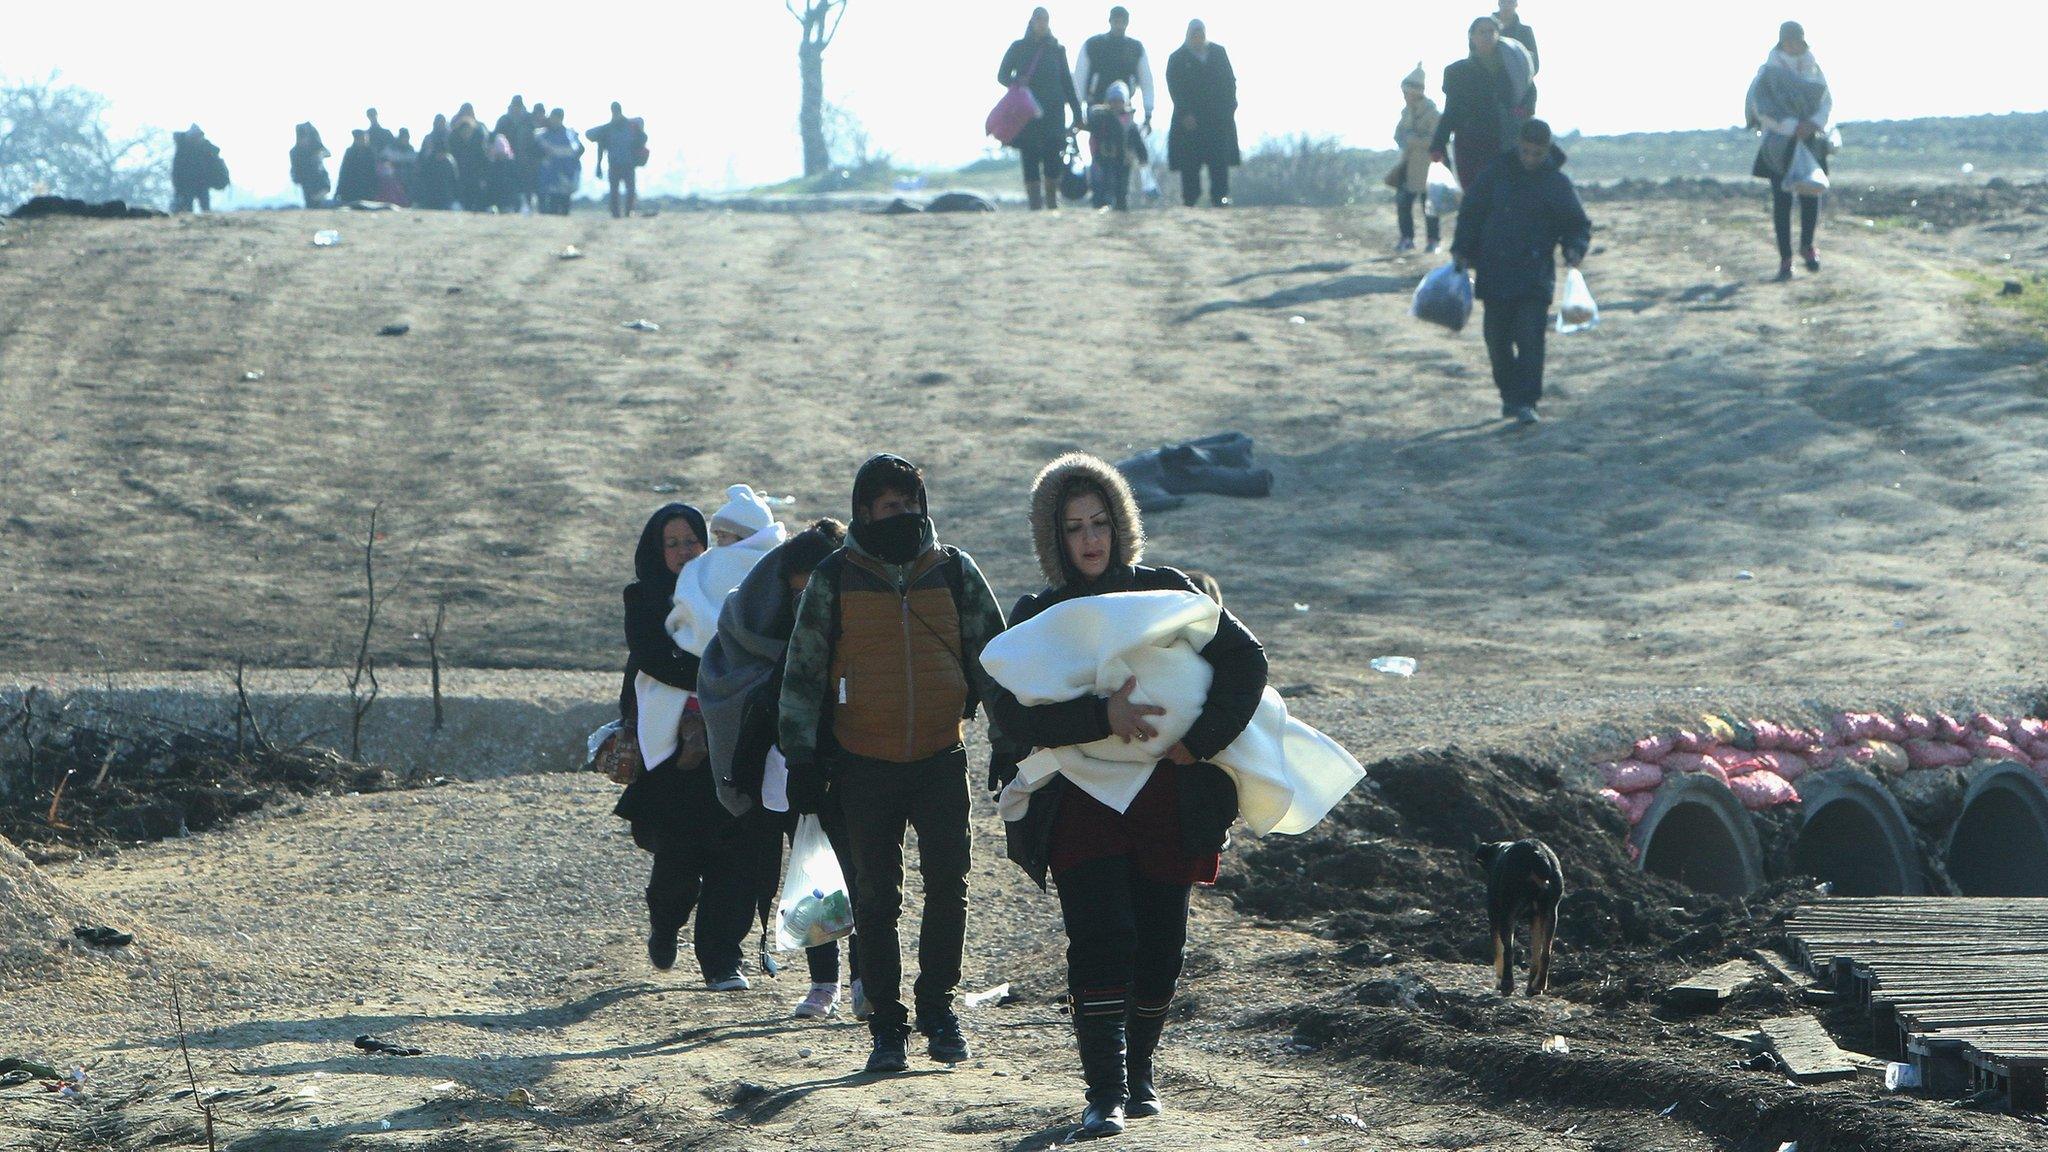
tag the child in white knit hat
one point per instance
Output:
(746, 512)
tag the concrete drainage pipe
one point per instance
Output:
(1999, 845)
(1696, 832)
(1854, 835)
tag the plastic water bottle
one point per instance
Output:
(1394, 665)
(326, 238)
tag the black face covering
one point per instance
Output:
(896, 540)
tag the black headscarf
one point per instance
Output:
(648, 565)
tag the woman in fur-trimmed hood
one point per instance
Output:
(1123, 877)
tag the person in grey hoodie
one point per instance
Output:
(739, 686)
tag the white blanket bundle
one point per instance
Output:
(701, 589)
(1288, 775)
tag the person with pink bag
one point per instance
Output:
(1036, 72)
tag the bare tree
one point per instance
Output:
(362, 679)
(53, 140)
(820, 20)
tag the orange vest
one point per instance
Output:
(899, 686)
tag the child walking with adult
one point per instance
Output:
(1117, 144)
(1124, 878)
(740, 685)
(1513, 222)
(1790, 103)
(1410, 177)
(706, 862)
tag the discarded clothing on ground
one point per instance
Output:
(1219, 464)
(1288, 775)
(370, 1043)
(949, 202)
(41, 206)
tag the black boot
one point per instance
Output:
(1144, 1029)
(1033, 195)
(1102, 1066)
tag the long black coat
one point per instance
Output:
(195, 164)
(1206, 90)
(358, 179)
(1052, 83)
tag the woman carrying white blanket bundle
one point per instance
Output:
(1124, 874)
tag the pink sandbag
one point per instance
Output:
(1989, 725)
(1790, 765)
(1768, 735)
(1631, 776)
(1761, 790)
(2028, 728)
(1853, 726)
(1947, 727)
(1998, 748)
(1687, 740)
(1734, 761)
(1935, 754)
(1688, 762)
(1651, 749)
(1917, 727)
(1632, 805)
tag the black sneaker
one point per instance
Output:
(944, 1042)
(890, 1053)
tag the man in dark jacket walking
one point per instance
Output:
(1514, 219)
(196, 171)
(884, 668)
(1204, 134)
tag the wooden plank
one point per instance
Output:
(1709, 988)
(1805, 1050)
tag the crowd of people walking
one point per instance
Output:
(845, 663)
(529, 160)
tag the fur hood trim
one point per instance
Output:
(1055, 483)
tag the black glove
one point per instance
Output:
(807, 787)
(1001, 770)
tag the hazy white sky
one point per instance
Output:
(717, 79)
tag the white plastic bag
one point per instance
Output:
(1804, 176)
(1444, 195)
(1576, 311)
(815, 907)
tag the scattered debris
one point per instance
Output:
(394, 330)
(1899, 1077)
(998, 995)
(1394, 665)
(642, 325)
(326, 238)
(101, 936)
(519, 1098)
(369, 1043)
(2012, 288)
(1708, 989)
(1745, 574)
(40, 206)
(1557, 1046)
(1805, 1050)
(571, 252)
(252, 376)
(1297, 319)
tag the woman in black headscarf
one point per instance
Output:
(703, 860)
(1488, 96)
(1039, 62)
(1203, 87)
(309, 165)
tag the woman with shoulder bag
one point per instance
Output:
(1124, 878)
(1039, 62)
(703, 860)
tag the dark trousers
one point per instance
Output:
(1404, 206)
(1514, 340)
(1113, 184)
(185, 201)
(1191, 184)
(719, 878)
(1125, 936)
(1781, 217)
(880, 801)
(823, 960)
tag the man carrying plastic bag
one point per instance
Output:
(1576, 309)
(1515, 218)
(1444, 297)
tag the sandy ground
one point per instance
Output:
(1863, 443)
(1849, 440)
(497, 926)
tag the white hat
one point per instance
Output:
(1118, 91)
(744, 514)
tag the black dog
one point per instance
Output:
(1523, 878)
